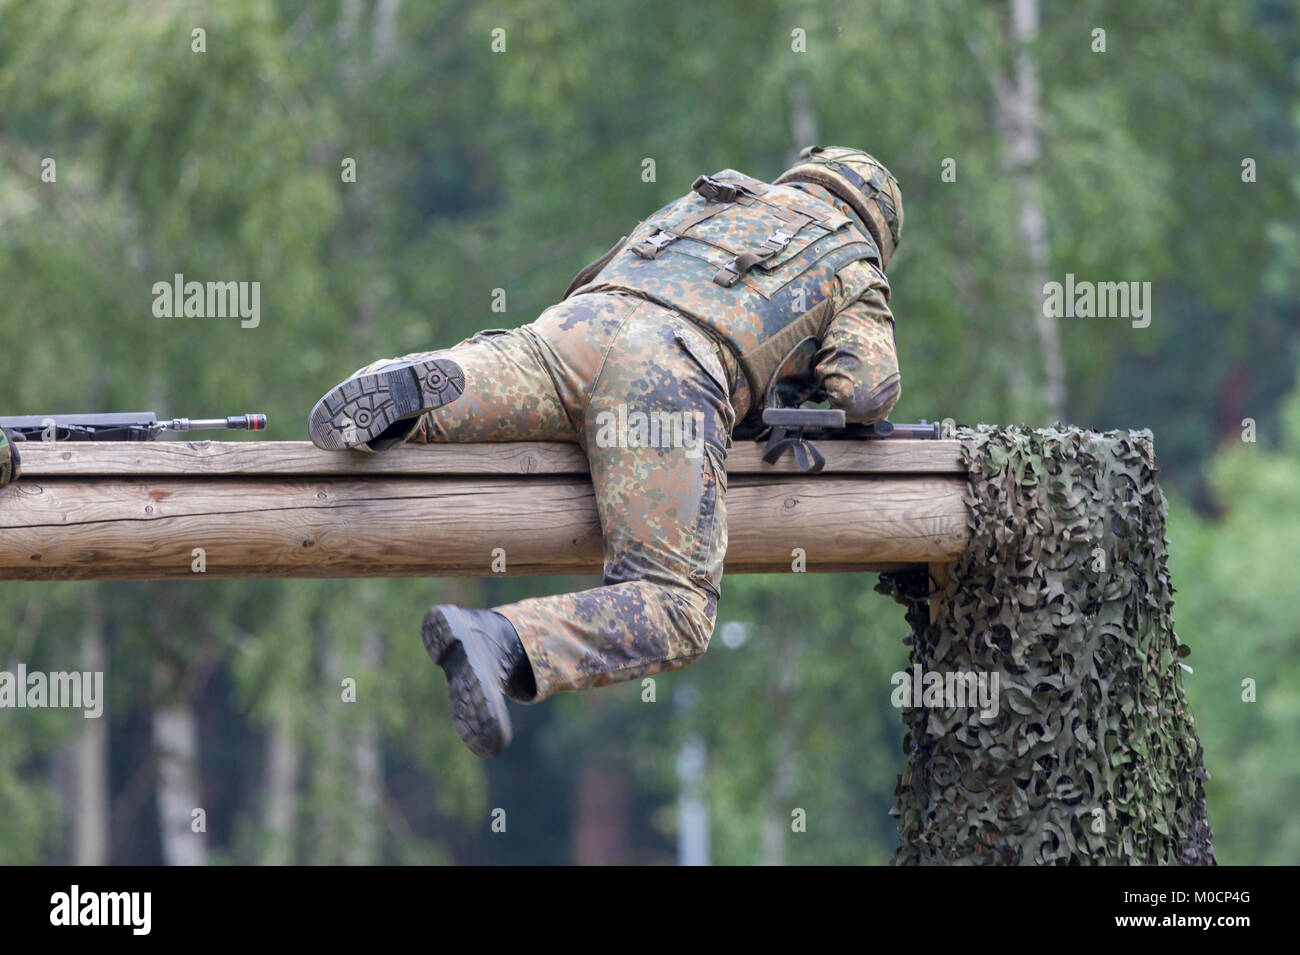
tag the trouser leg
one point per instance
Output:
(523, 384)
(508, 394)
(655, 427)
(645, 394)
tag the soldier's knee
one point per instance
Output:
(698, 613)
(702, 633)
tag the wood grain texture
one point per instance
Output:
(253, 458)
(286, 525)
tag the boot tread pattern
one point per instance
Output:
(360, 409)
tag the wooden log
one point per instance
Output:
(191, 459)
(142, 517)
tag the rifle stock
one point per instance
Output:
(795, 428)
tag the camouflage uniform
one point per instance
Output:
(10, 463)
(673, 328)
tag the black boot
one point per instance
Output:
(381, 407)
(485, 662)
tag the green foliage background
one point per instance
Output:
(479, 170)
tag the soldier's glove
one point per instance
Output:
(10, 460)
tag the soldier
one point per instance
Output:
(738, 295)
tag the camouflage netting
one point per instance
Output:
(1064, 592)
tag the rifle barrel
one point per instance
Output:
(926, 429)
(243, 422)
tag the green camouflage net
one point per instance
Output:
(1064, 593)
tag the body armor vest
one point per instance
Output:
(753, 263)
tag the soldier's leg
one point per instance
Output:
(501, 385)
(480, 651)
(493, 386)
(662, 510)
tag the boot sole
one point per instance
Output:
(478, 707)
(360, 409)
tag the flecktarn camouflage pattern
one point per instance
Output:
(1064, 592)
(765, 268)
(10, 461)
(656, 353)
(645, 393)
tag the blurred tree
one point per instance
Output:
(478, 171)
(1236, 610)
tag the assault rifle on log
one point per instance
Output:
(796, 427)
(133, 426)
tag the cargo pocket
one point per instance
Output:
(710, 547)
(703, 353)
(705, 357)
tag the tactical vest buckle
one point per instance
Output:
(715, 190)
(728, 275)
(652, 245)
(777, 241)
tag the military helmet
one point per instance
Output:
(860, 180)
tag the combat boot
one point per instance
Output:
(485, 662)
(378, 408)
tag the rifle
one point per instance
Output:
(795, 427)
(141, 426)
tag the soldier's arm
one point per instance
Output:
(857, 363)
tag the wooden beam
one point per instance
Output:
(265, 510)
(191, 459)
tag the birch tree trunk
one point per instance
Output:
(80, 769)
(1018, 109)
(176, 755)
(90, 815)
(283, 765)
(785, 777)
(366, 847)
(692, 806)
(803, 120)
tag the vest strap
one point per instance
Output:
(793, 222)
(713, 189)
(656, 242)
